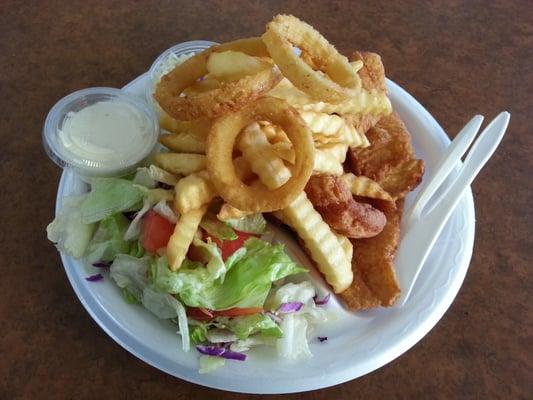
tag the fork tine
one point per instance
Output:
(453, 154)
(422, 237)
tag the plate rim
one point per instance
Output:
(125, 340)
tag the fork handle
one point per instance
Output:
(424, 234)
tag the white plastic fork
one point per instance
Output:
(422, 229)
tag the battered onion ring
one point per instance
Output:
(220, 143)
(211, 104)
(340, 80)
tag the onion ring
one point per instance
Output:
(220, 143)
(339, 80)
(213, 103)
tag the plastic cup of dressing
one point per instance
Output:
(100, 132)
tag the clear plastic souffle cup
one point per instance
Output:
(100, 132)
(169, 59)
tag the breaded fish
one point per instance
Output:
(374, 259)
(389, 160)
(332, 198)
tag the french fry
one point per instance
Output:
(346, 245)
(325, 124)
(184, 142)
(198, 127)
(273, 133)
(285, 151)
(327, 164)
(372, 101)
(353, 137)
(193, 192)
(263, 161)
(324, 247)
(320, 139)
(180, 163)
(156, 195)
(287, 91)
(365, 187)
(183, 235)
(336, 150)
(231, 65)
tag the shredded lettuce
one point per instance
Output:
(250, 324)
(254, 223)
(253, 341)
(163, 209)
(68, 230)
(198, 333)
(294, 344)
(110, 196)
(209, 363)
(108, 240)
(302, 292)
(218, 229)
(218, 335)
(130, 273)
(247, 281)
(134, 230)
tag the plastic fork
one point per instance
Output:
(422, 228)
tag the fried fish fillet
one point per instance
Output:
(372, 76)
(390, 159)
(373, 262)
(372, 73)
(332, 198)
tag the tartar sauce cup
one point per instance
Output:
(100, 132)
(169, 59)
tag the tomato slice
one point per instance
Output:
(156, 231)
(228, 247)
(236, 312)
(200, 314)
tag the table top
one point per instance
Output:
(456, 58)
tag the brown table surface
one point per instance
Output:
(456, 58)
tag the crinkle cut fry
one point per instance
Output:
(373, 261)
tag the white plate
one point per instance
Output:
(357, 343)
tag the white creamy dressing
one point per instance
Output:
(106, 135)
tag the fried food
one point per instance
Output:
(336, 150)
(327, 163)
(193, 192)
(335, 80)
(220, 143)
(256, 149)
(284, 150)
(332, 198)
(180, 163)
(324, 247)
(325, 124)
(372, 72)
(198, 127)
(183, 235)
(227, 211)
(183, 143)
(389, 160)
(230, 66)
(373, 261)
(365, 187)
(231, 96)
